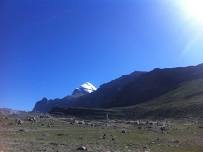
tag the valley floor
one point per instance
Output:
(68, 135)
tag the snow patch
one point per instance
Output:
(85, 88)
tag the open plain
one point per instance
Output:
(68, 134)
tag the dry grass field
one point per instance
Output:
(53, 134)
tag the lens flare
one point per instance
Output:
(193, 10)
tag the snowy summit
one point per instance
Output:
(85, 88)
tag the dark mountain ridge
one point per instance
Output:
(134, 89)
(109, 89)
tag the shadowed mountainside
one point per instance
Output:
(107, 90)
(144, 92)
(184, 101)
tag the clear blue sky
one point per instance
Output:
(49, 47)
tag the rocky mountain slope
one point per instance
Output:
(46, 105)
(139, 89)
(185, 101)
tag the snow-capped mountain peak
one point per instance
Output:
(85, 88)
(88, 87)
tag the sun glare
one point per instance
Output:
(193, 10)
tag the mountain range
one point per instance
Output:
(161, 92)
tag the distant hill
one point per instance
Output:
(6, 111)
(166, 92)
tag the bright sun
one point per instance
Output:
(193, 9)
